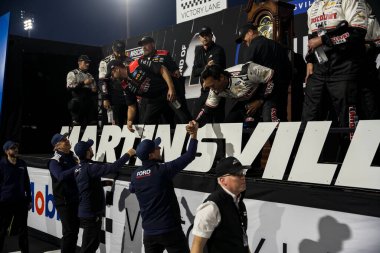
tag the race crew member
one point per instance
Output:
(81, 84)
(207, 54)
(336, 47)
(162, 56)
(249, 84)
(147, 79)
(91, 194)
(112, 92)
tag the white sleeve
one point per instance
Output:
(213, 99)
(206, 219)
(356, 13)
(102, 69)
(71, 80)
(259, 74)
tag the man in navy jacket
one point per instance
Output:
(92, 202)
(153, 186)
(15, 198)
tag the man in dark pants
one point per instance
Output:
(152, 183)
(15, 197)
(81, 84)
(270, 54)
(163, 57)
(92, 202)
(112, 90)
(65, 191)
(207, 54)
(221, 221)
(150, 80)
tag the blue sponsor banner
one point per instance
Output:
(4, 26)
(301, 6)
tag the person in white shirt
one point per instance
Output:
(221, 221)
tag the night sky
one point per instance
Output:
(92, 22)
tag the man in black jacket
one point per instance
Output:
(15, 197)
(92, 201)
(208, 54)
(65, 191)
(221, 221)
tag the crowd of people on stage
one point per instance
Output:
(342, 84)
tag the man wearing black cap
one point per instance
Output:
(221, 221)
(147, 79)
(270, 54)
(81, 84)
(113, 94)
(207, 54)
(162, 56)
(15, 197)
(152, 183)
(92, 202)
(65, 191)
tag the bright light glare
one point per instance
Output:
(28, 24)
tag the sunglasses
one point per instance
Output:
(13, 147)
(237, 174)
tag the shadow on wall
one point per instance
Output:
(332, 234)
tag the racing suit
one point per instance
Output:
(163, 57)
(82, 105)
(112, 91)
(370, 88)
(342, 26)
(247, 82)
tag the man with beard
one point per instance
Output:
(162, 56)
(15, 196)
(207, 54)
(113, 93)
(81, 84)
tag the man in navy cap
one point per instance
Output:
(92, 202)
(221, 221)
(65, 191)
(153, 186)
(15, 197)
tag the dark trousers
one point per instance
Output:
(70, 227)
(91, 232)
(343, 96)
(83, 110)
(14, 217)
(173, 242)
(120, 114)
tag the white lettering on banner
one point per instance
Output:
(356, 170)
(182, 61)
(305, 168)
(281, 150)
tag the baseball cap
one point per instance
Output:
(243, 31)
(144, 40)
(57, 138)
(112, 64)
(205, 31)
(118, 46)
(146, 147)
(84, 57)
(82, 147)
(229, 165)
(9, 144)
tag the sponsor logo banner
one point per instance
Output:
(301, 6)
(192, 9)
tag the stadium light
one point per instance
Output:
(28, 24)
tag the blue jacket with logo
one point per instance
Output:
(152, 183)
(91, 193)
(14, 182)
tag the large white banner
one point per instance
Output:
(272, 227)
(192, 9)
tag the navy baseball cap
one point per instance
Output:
(144, 40)
(243, 31)
(84, 57)
(118, 46)
(229, 165)
(205, 31)
(146, 147)
(57, 138)
(9, 144)
(82, 147)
